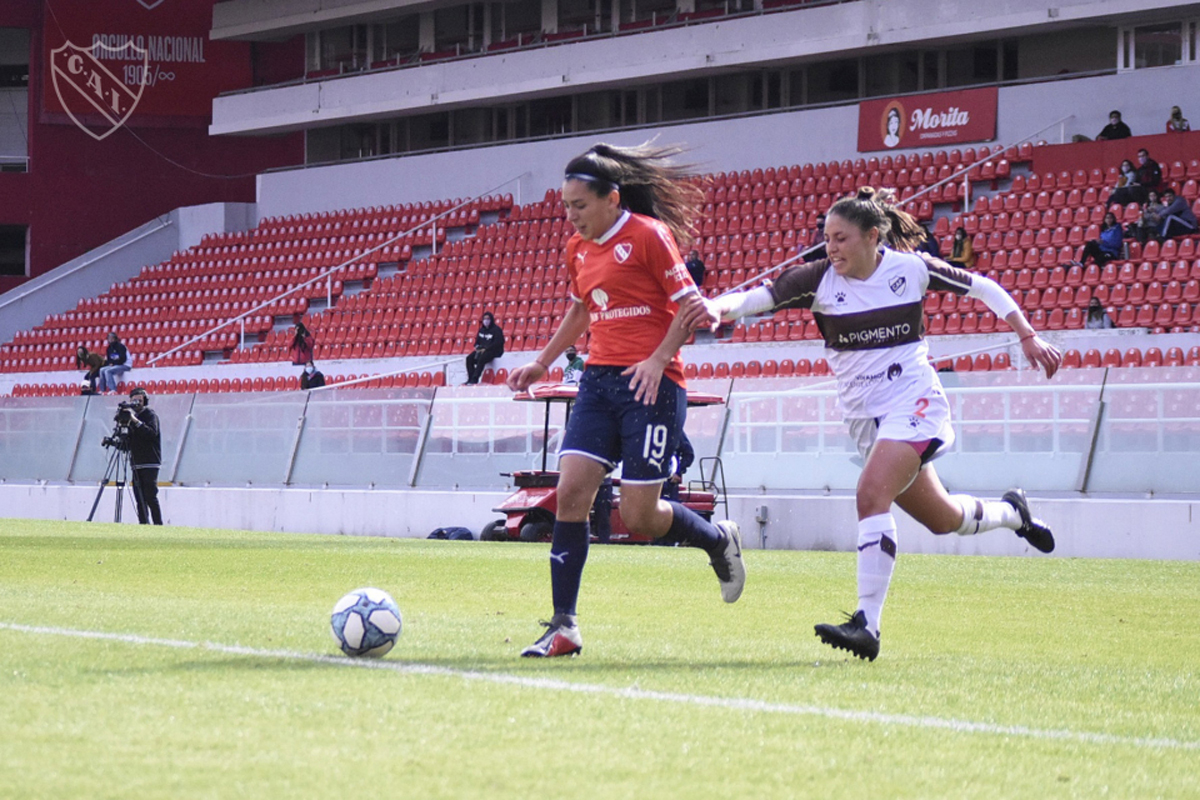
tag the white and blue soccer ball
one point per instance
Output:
(366, 622)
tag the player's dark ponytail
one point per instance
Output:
(870, 208)
(648, 181)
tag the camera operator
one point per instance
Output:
(145, 453)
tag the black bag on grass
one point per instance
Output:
(453, 534)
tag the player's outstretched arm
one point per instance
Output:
(574, 324)
(727, 308)
(1041, 354)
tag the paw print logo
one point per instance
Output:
(913, 422)
(840, 297)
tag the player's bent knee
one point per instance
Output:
(870, 506)
(644, 516)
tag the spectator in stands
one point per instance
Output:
(1176, 122)
(1115, 129)
(575, 366)
(302, 345)
(311, 378)
(1110, 245)
(145, 456)
(930, 243)
(1097, 318)
(489, 345)
(695, 268)
(116, 363)
(870, 295)
(817, 245)
(1149, 176)
(92, 362)
(629, 207)
(1149, 223)
(962, 252)
(1177, 216)
(683, 458)
(1122, 192)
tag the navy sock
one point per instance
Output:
(689, 528)
(568, 554)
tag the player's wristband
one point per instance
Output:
(540, 364)
(1028, 336)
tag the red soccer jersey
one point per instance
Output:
(630, 280)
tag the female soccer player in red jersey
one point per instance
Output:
(631, 209)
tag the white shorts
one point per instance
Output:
(926, 427)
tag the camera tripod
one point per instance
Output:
(119, 473)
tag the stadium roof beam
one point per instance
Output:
(258, 20)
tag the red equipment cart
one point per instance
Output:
(530, 510)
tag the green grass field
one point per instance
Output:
(999, 677)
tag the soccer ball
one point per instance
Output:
(366, 622)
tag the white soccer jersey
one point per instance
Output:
(873, 328)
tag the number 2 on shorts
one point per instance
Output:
(922, 404)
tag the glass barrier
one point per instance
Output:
(705, 427)
(783, 434)
(480, 432)
(93, 458)
(1149, 435)
(1019, 430)
(37, 436)
(237, 439)
(360, 437)
(787, 433)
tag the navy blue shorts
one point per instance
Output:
(607, 425)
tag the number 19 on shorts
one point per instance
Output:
(655, 446)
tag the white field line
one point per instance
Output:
(632, 693)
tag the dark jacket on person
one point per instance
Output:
(491, 341)
(115, 354)
(685, 455)
(1111, 239)
(313, 381)
(145, 440)
(1115, 130)
(695, 268)
(1149, 175)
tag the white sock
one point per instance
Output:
(985, 515)
(876, 558)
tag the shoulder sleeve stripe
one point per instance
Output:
(686, 290)
(797, 286)
(945, 278)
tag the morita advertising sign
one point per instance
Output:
(927, 120)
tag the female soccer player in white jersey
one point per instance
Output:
(629, 207)
(868, 300)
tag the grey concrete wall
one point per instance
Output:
(1119, 527)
